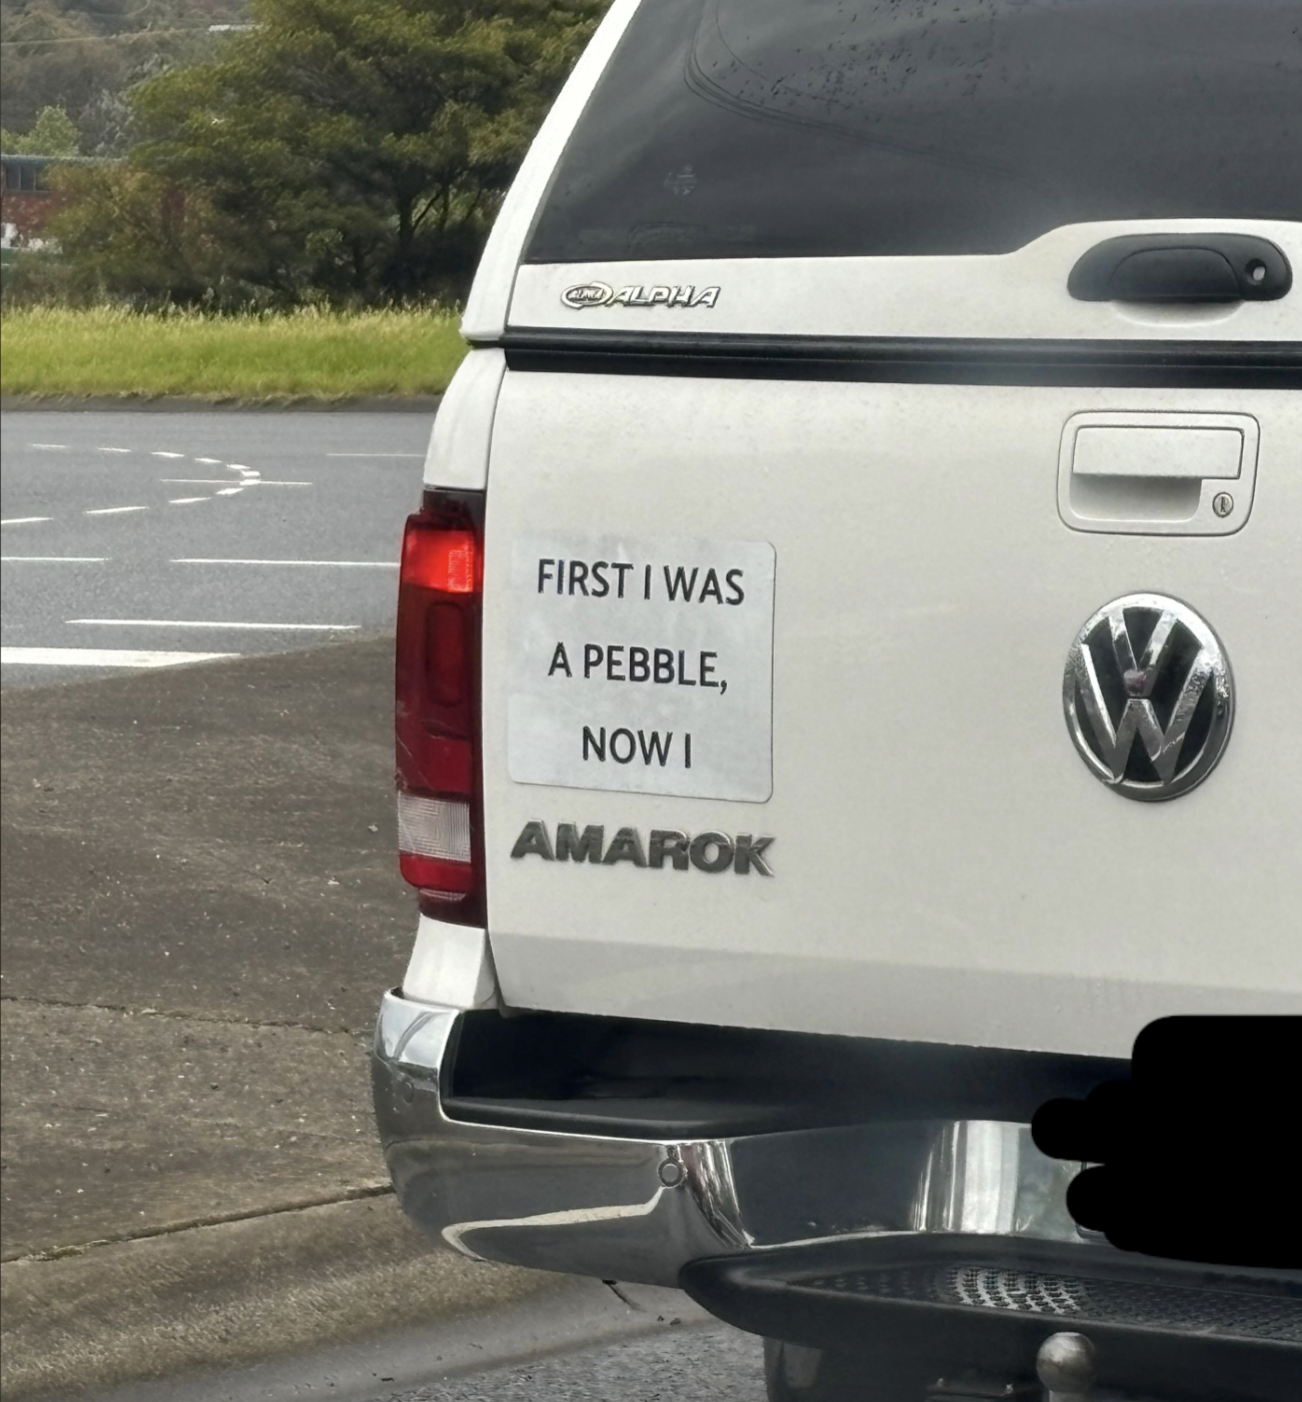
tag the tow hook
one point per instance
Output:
(1066, 1365)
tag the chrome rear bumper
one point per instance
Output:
(641, 1209)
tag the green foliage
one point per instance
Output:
(83, 56)
(53, 133)
(303, 354)
(352, 150)
(128, 232)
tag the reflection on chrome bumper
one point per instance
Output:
(641, 1209)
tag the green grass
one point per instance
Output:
(305, 354)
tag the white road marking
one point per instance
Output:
(185, 501)
(209, 462)
(114, 450)
(228, 492)
(101, 657)
(223, 481)
(205, 623)
(375, 455)
(24, 520)
(113, 510)
(160, 453)
(336, 564)
(54, 559)
(62, 447)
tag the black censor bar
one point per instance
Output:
(1195, 1157)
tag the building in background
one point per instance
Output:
(27, 200)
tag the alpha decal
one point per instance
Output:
(602, 294)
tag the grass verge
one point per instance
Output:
(310, 354)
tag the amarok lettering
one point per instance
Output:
(710, 852)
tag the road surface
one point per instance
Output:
(147, 539)
(586, 1343)
(142, 540)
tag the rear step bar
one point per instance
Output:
(947, 1302)
(929, 1242)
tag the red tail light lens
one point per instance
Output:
(436, 718)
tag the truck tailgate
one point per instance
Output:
(944, 866)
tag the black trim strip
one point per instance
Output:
(903, 360)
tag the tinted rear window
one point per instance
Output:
(766, 128)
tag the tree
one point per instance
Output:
(84, 54)
(128, 233)
(359, 147)
(53, 133)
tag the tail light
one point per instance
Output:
(436, 717)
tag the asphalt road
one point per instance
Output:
(704, 1364)
(582, 1342)
(145, 539)
(280, 854)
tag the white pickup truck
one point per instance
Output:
(848, 676)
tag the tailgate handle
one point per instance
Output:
(1182, 268)
(1157, 472)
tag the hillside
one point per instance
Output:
(83, 54)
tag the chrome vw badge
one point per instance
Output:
(1149, 696)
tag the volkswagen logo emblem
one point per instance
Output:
(1149, 696)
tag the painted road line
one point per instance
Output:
(54, 559)
(317, 564)
(209, 462)
(52, 447)
(160, 453)
(206, 623)
(101, 657)
(225, 481)
(25, 520)
(114, 450)
(185, 501)
(375, 455)
(228, 492)
(113, 510)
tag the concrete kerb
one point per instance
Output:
(219, 1297)
(575, 1314)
